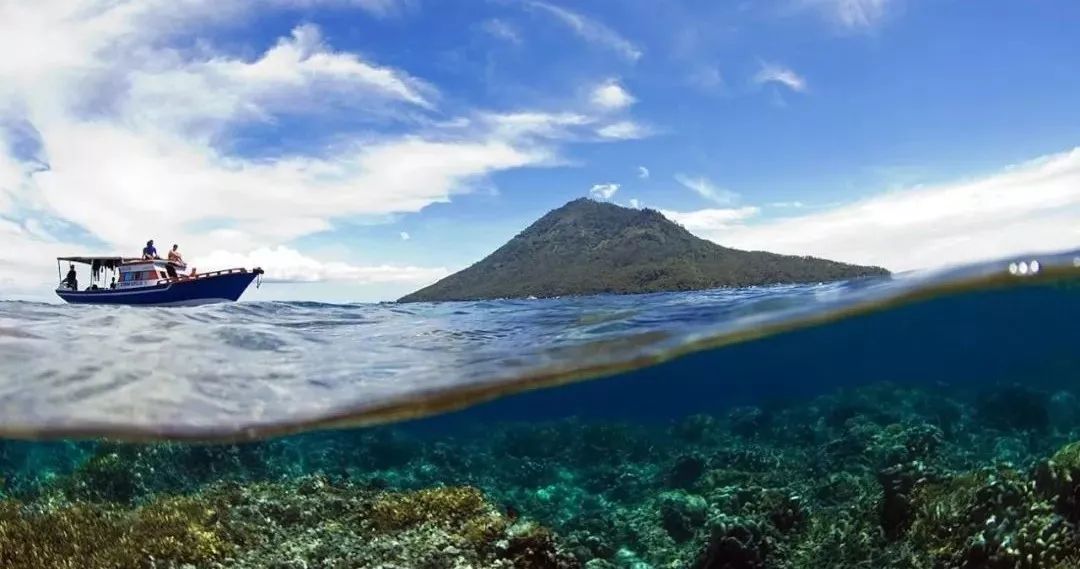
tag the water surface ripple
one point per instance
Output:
(263, 368)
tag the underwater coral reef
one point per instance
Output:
(882, 476)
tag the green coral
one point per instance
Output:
(85, 536)
(445, 506)
(992, 519)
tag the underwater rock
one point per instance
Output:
(898, 484)
(748, 421)
(1059, 480)
(529, 545)
(733, 544)
(898, 443)
(682, 514)
(694, 428)
(686, 471)
(1014, 408)
(1064, 411)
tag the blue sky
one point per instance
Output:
(367, 147)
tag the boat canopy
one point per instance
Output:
(103, 262)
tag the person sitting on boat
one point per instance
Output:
(72, 279)
(113, 283)
(150, 252)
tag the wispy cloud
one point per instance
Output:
(643, 172)
(612, 96)
(589, 30)
(623, 130)
(502, 30)
(1031, 207)
(709, 79)
(779, 74)
(379, 8)
(706, 189)
(851, 14)
(405, 236)
(603, 191)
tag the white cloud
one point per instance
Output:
(612, 96)
(791, 204)
(135, 135)
(852, 14)
(1031, 207)
(405, 236)
(502, 30)
(774, 73)
(603, 191)
(283, 264)
(706, 189)
(634, 203)
(643, 172)
(711, 220)
(623, 130)
(589, 30)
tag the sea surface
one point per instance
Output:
(925, 420)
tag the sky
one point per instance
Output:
(360, 149)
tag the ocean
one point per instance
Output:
(927, 420)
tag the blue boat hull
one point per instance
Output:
(203, 290)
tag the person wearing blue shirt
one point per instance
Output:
(149, 252)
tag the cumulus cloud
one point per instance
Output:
(703, 187)
(643, 172)
(612, 96)
(589, 30)
(635, 203)
(1030, 207)
(603, 191)
(780, 75)
(405, 236)
(131, 134)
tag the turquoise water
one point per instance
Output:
(923, 421)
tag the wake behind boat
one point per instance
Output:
(119, 280)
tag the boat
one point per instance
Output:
(152, 282)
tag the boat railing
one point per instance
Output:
(197, 276)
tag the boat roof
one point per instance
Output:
(102, 261)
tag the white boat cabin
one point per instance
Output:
(117, 273)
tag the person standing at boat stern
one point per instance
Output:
(176, 261)
(150, 252)
(72, 279)
(176, 258)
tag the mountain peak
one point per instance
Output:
(591, 247)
